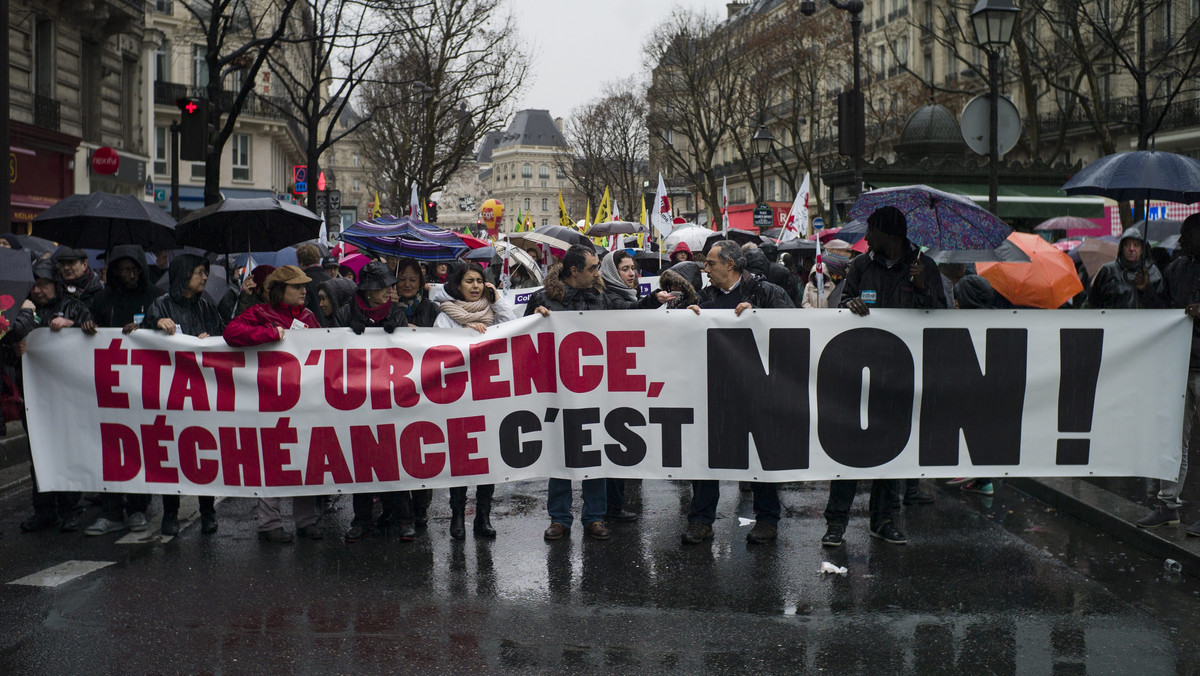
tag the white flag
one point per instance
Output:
(660, 215)
(725, 207)
(323, 234)
(414, 203)
(798, 216)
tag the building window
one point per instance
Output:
(527, 170)
(545, 221)
(545, 203)
(928, 66)
(356, 160)
(162, 62)
(197, 171)
(560, 174)
(240, 145)
(199, 67)
(357, 184)
(544, 171)
(527, 207)
(43, 58)
(164, 6)
(162, 150)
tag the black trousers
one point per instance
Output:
(208, 504)
(885, 494)
(61, 503)
(483, 495)
(397, 507)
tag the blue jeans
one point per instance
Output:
(706, 493)
(558, 501)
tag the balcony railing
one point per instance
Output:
(46, 113)
(256, 105)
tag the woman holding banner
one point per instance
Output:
(269, 322)
(373, 306)
(467, 301)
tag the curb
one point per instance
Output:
(1115, 515)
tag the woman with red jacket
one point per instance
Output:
(268, 323)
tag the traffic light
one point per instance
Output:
(193, 129)
(431, 211)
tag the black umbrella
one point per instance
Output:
(1007, 252)
(556, 236)
(1158, 230)
(36, 246)
(102, 220)
(16, 279)
(483, 253)
(1140, 175)
(238, 225)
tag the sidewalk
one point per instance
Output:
(14, 456)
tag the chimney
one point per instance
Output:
(558, 124)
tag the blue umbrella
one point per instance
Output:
(405, 236)
(1140, 175)
(936, 219)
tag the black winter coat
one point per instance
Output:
(193, 316)
(556, 295)
(1181, 288)
(114, 306)
(880, 286)
(753, 289)
(350, 315)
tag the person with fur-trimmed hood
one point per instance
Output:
(573, 284)
(684, 280)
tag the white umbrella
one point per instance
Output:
(517, 255)
(693, 235)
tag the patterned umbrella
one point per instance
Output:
(405, 236)
(936, 219)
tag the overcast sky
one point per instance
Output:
(578, 45)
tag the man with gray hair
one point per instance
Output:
(734, 288)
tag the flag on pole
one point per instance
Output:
(725, 207)
(519, 224)
(563, 219)
(529, 223)
(616, 212)
(424, 213)
(602, 212)
(797, 216)
(246, 269)
(643, 241)
(819, 280)
(660, 213)
(375, 210)
(323, 233)
(413, 201)
(505, 277)
(587, 211)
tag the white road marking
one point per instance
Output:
(63, 572)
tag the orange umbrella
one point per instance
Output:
(1047, 281)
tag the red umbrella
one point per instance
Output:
(473, 242)
(825, 235)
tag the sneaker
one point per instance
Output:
(39, 521)
(978, 487)
(208, 524)
(356, 533)
(103, 526)
(170, 524)
(697, 533)
(136, 522)
(1163, 516)
(556, 531)
(889, 533)
(596, 530)
(958, 481)
(276, 535)
(761, 533)
(835, 536)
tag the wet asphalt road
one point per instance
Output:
(1004, 586)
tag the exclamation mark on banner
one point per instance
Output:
(1080, 351)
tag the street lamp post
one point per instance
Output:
(993, 21)
(761, 143)
(855, 9)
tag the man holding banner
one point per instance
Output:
(574, 284)
(734, 288)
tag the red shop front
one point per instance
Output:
(41, 167)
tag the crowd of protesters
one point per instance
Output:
(386, 294)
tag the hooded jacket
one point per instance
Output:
(682, 246)
(116, 306)
(556, 295)
(759, 264)
(890, 286)
(680, 280)
(64, 305)
(193, 316)
(753, 289)
(621, 297)
(339, 291)
(1112, 287)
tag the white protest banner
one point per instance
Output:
(773, 395)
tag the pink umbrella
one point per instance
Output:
(1067, 245)
(825, 235)
(355, 262)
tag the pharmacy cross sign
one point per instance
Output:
(190, 107)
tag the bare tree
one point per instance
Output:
(237, 35)
(610, 146)
(454, 77)
(691, 99)
(332, 56)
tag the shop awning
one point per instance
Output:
(1022, 201)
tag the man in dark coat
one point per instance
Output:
(56, 310)
(734, 288)
(892, 274)
(1129, 281)
(308, 259)
(123, 304)
(1181, 289)
(78, 278)
(574, 284)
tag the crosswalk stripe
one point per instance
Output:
(62, 573)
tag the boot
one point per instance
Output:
(458, 517)
(483, 519)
